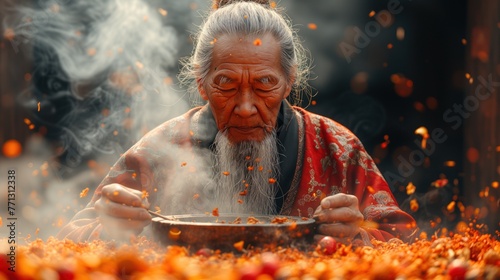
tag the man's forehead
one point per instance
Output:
(250, 45)
(239, 50)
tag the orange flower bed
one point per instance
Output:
(461, 256)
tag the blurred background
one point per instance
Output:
(416, 81)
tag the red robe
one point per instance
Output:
(331, 160)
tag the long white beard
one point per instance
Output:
(224, 179)
(245, 175)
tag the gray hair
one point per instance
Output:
(248, 18)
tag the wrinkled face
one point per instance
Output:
(245, 86)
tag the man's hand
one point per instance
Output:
(122, 211)
(339, 217)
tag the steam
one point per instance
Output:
(104, 75)
(93, 37)
(109, 61)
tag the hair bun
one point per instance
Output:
(221, 3)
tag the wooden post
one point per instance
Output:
(480, 109)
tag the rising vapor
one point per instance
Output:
(104, 75)
(101, 67)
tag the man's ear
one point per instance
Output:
(201, 89)
(291, 81)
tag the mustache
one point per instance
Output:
(266, 127)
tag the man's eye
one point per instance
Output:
(265, 84)
(265, 80)
(221, 80)
(226, 89)
(224, 83)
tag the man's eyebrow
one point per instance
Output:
(270, 77)
(223, 78)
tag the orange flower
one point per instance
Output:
(410, 188)
(239, 245)
(174, 234)
(451, 206)
(215, 212)
(312, 26)
(414, 205)
(370, 189)
(440, 183)
(84, 192)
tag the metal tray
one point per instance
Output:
(223, 232)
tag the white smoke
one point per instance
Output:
(104, 75)
(110, 60)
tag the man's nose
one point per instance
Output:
(245, 103)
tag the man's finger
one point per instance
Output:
(114, 224)
(343, 214)
(339, 200)
(124, 195)
(106, 207)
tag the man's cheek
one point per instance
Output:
(220, 102)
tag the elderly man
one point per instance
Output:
(247, 150)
